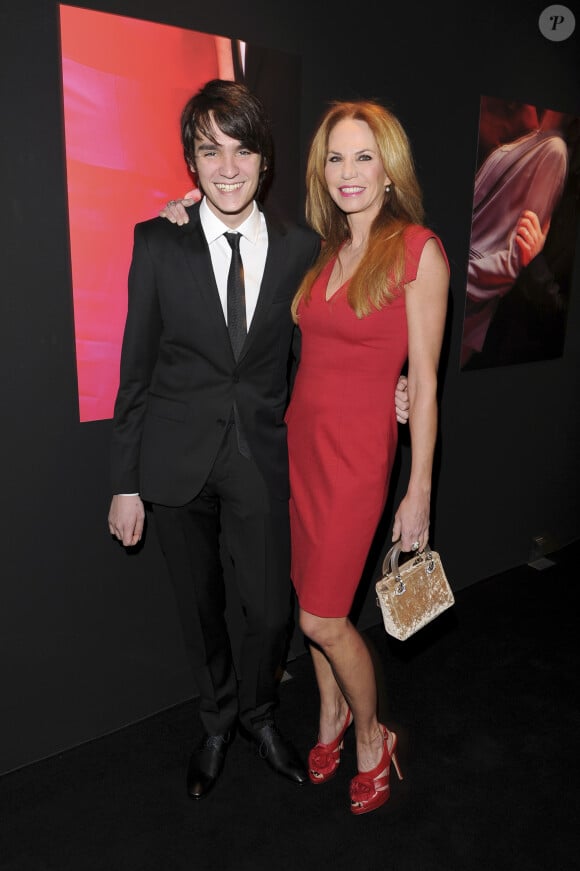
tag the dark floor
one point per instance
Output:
(485, 702)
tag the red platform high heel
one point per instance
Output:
(324, 759)
(371, 789)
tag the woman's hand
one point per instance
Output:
(175, 212)
(412, 523)
(402, 400)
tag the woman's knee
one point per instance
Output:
(323, 631)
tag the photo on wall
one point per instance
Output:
(125, 82)
(523, 234)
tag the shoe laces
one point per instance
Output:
(214, 742)
(272, 727)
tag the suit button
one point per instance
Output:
(221, 421)
(236, 379)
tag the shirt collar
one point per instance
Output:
(213, 227)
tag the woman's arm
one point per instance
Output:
(174, 210)
(426, 307)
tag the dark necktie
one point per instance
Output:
(237, 322)
(236, 296)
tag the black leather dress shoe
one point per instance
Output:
(278, 752)
(205, 765)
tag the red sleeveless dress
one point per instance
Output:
(342, 436)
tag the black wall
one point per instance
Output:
(89, 638)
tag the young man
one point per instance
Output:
(199, 428)
(199, 419)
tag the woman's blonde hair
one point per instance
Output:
(381, 269)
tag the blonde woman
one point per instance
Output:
(375, 299)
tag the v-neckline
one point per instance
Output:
(328, 299)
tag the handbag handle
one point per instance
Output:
(391, 560)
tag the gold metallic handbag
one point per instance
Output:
(412, 595)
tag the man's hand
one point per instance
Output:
(127, 519)
(175, 212)
(530, 236)
(402, 400)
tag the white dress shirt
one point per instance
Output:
(253, 250)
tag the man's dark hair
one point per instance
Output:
(236, 111)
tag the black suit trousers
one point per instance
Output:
(233, 507)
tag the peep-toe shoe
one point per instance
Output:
(324, 759)
(371, 789)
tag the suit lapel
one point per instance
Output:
(273, 269)
(196, 252)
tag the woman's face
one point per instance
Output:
(353, 170)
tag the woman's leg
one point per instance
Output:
(333, 705)
(349, 672)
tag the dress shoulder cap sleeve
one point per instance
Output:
(415, 238)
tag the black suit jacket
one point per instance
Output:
(179, 379)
